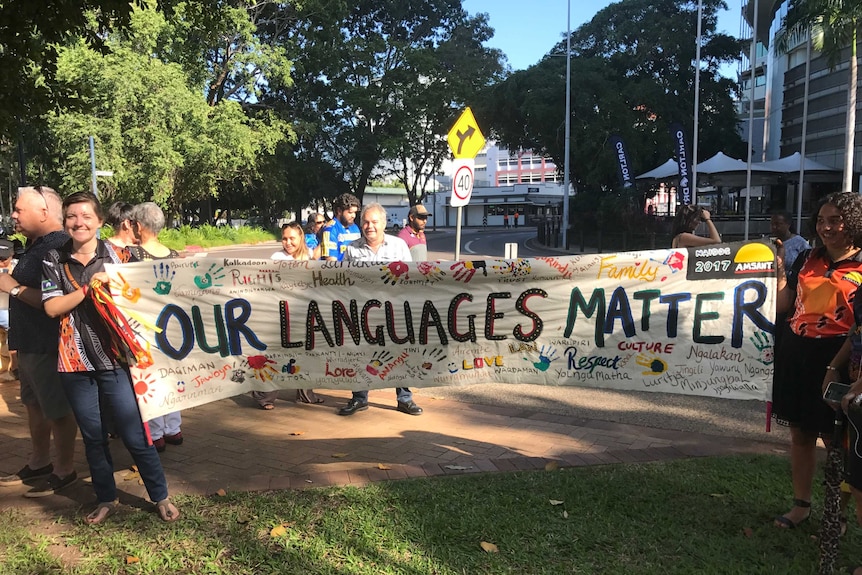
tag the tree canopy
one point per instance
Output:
(633, 69)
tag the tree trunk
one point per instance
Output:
(850, 137)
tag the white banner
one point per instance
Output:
(696, 321)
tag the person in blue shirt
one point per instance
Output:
(341, 229)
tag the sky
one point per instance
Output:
(526, 31)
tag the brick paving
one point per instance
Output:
(232, 445)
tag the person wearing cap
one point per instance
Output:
(7, 360)
(414, 233)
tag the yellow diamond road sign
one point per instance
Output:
(465, 138)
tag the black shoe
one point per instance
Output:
(353, 406)
(409, 407)
(53, 484)
(26, 474)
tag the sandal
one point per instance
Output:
(167, 510)
(267, 407)
(102, 512)
(784, 522)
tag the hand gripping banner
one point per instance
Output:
(695, 321)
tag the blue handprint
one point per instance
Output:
(208, 279)
(547, 354)
(164, 274)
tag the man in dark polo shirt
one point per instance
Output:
(38, 215)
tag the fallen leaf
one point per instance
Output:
(242, 519)
(556, 502)
(565, 514)
(132, 559)
(488, 547)
(221, 493)
(748, 531)
(297, 433)
(383, 467)
(140, 481)
(339, 455)
(458, 467)
(278, 531)
(131, 475)
(134, 468)
(552, 466)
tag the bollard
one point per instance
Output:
(511, 251)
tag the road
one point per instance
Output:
(663, 411)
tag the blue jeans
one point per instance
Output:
(83, 389)
(403, 394)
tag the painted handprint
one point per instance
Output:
(209, 278)
(426, 363)
(393, 272)
(519, 267)
(164, 274)
(377, 361)
(127, 291)
(260, 364)
(547, 354)
(654, 364)
(430, 270)
(764, 345)
(465, 270)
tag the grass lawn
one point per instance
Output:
(695, 516)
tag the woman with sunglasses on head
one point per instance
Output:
(817, 293)
(312, 230)
(293, 247)
(89, 364)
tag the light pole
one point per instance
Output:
(567, 146)
(696, 99)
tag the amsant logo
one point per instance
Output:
(754, 258)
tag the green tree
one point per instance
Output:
(632, 74)
(834, 27)
(153, 127)
(378, 80)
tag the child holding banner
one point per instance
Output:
(91, 371)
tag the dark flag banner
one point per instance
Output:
(684, 161)
(626, 176)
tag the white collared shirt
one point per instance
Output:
(393, 250)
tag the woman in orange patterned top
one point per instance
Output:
(818, 294)
(92, 373)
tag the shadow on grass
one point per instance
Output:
(709, 515)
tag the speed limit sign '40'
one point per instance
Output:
(462, 183)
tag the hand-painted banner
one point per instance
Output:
(693, 321)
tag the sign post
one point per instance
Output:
(465, 140)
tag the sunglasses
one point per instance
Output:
(320, 221)
(422, 217)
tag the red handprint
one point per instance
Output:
(260, 364)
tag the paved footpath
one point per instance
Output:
(233, 445)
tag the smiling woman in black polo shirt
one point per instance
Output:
(89, 366)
